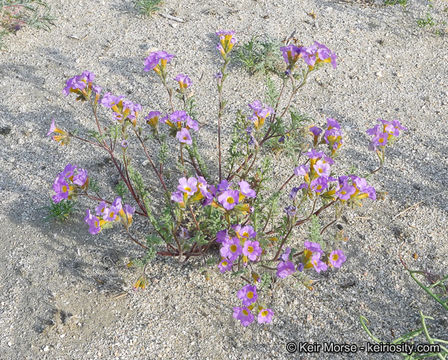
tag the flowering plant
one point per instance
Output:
(235, 211)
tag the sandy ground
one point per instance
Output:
(60, 286)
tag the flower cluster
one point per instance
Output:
(312, 55)
(332, 135)
(260, 113)
(157, 61)
(242, 243)
(383, 133)
(227, 41)
(82, 85)
(312, 257)
(221, 196)
(68, 182)
(318, 181)
(248, 295)
(109, 214)
(122, 109)
(181, 122)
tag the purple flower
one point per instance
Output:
(326, 55)
(314, 154)
(322, 168)
(248, 294)
(157, 61)
(313, 247)
(301, 170)
(227, 41)
(153, 118)
(318, 53)
(188, 186)
(110, 100)
(80, 178)
(345, 192)
(337, 258)
(252, 250)
(293, 193)
(69, 170)
(112, 214)
(285, 268)
(225, 265)
(203, 187)
(192, 124)
(63, 138)
(315, 131)
(96, 89)
(223, 185)
(93, 222)
(231, 249)
(246, 190)
(183, 80)
(320, 184)
(332, 123)
(291, 54)
(290, 210)
(124, 144)
(265, 316)
(380, 140)
(128, 210)
(184, 136)
(397, 125)
(229, 199)
(117, 204)
(260, 113)
(61, 188)
(101, 209)
(177, 196)
(318, 264)
(244, 315)
(374, 131)
(78, 83)
(285, 255)
(222, 236)
(334, 138)
(244, 232)
(52, 127)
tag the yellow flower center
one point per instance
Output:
(245, 234)
(250, 249)
(111, 214)
(264, 313)
(186, 188)
(233, 248)
(245, 313)
(64, 188)
(250, 295)
(230, 200)
(224, 263)
(335, 257)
